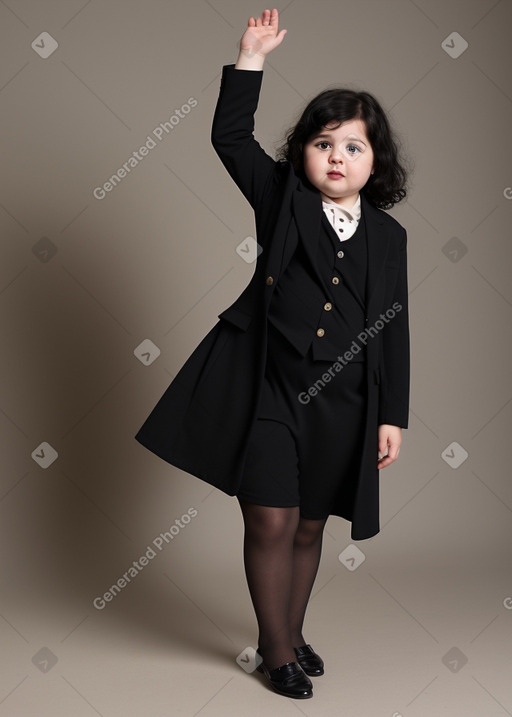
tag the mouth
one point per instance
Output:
(335, 175)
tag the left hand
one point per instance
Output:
(390, 440)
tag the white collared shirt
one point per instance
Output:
(344, 221)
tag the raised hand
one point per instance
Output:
(262, 36)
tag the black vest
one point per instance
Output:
(323, 307)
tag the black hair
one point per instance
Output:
(387, 185)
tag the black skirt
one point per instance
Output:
(305, 447)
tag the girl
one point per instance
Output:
(304, 380)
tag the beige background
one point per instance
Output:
(85, 281)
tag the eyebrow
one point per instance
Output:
(328, 136)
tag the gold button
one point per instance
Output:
(269, 281)
(341, 254)
(328, 306)
(335, 280)
(320, 332)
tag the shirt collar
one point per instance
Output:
(353, 213)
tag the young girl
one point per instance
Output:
(302, 383)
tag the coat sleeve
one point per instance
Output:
(251, 168)
(395, 363)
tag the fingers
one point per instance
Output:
(383, 442)
(264, 19)
(267, 18)
(280, 36)
(390, 458)
(389, 450)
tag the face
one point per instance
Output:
(338, 162)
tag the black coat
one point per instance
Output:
(202, 421)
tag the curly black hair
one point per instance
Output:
(387, 185)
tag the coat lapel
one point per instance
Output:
(307, 210)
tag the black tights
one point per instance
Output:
(281, 556)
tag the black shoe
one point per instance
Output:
(310, 662)
(288, 680)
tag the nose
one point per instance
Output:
(336, 156)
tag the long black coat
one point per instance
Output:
(202, 421)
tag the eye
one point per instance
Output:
(350, 147)
(319, 143)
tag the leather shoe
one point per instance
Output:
(288, 680)
(310, 662)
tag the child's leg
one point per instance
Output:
(307, 550)
(268, 558)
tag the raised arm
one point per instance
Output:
(232, 135)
